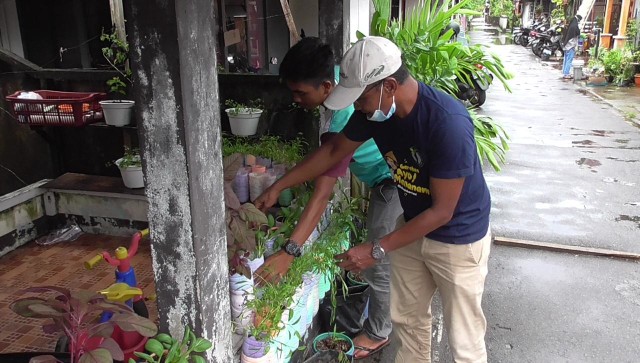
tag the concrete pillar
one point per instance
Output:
(173, 47)
(620, 39)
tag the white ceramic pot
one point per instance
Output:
(117, 113)
(132, 176)
(242, 122)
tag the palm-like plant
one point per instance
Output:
(433, 59)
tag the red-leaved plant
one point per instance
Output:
(77, 314)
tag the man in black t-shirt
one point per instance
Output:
(443, 239)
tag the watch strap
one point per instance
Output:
(292, 248)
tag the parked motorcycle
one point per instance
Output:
(554, 45)
(475, 94)
(546, 39)
(472, 86)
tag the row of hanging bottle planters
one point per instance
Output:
(275, 318)
(256, 176)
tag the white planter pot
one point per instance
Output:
(238, 282)
(132, 176)
(503, 22)
(117, 113)
(242, 122)
(255, 264)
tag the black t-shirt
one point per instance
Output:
(435, 140)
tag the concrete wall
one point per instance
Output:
(75, 25)
(34, 162)
(36, 210)
(10, 37)
(305, 15)
(22, 217)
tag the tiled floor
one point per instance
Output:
(59, 265)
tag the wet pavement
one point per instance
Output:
(572, 172)
(626, 100)
(571, 178)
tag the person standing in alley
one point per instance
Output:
(569, 44)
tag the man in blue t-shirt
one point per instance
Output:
(443, 239)
(308, 71)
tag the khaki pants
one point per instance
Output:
(459, 272)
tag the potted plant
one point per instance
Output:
(117, 112)
(164, 348)
(130, 166)
(75, 313)
(335, 341)
(243, 118)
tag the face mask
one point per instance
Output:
(378, 115)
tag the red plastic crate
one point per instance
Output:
(72, 109)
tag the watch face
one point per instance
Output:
(292, 249)
(377, 253)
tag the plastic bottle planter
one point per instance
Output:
(255, 351)
(241, 319)
(255, 264)
(282, 344)
(325, 284)
(285, 198)
(132, 176)
(117, 113)
(335, 336)
(269, 248)
(239, 282)
(243, 122)
(241, 185)
(311, 286)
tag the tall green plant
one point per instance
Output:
(433, 59)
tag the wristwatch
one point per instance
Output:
(292, 248)
(377, 252)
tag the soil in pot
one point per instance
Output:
(334, 344)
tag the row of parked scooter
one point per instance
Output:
(543, 37)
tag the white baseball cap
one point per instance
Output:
(369, 60)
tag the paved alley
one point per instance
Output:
(571, 178)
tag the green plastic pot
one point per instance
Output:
(339, 336)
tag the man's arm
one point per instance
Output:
(277, 265)
(314, 165)
(445, 194)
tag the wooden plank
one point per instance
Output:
(117, 18)
(565, 248)
(295, 37)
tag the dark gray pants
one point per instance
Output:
(384, 209)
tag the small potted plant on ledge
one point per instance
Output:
(117, 112)
(130, 166)
(243, 118)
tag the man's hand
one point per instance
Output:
(267, 199)
(356, 259)
(274, 268)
